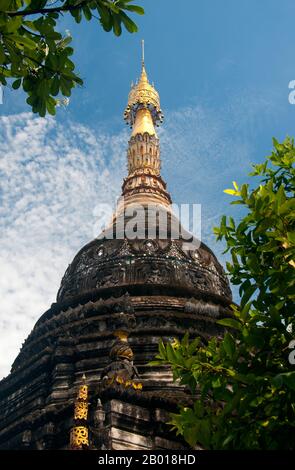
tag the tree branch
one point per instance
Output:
(46, 10)
(44, 66)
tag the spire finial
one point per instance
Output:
(143, 96)
(143, 77)
(142, 52)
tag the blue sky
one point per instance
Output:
(222, 68)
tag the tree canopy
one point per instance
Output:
(244, 383)
(34, 55)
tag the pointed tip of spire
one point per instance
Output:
(84, 377)
(142, 52)
(143, 76)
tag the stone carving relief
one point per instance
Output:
(111, 263)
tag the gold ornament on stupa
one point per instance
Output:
(79, 438)
(145, 99)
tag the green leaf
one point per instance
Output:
(162, 350)
(2, 54)
(117, 25)
(291, 237)
(43, 89)
(65, 86)
(229, 345)
(204, 433)
(54, 87)
(228, 440)
(105, 17)
(23, 41)
(53, 15)
(194, 345)
(244, 191)
(16, 84)
(50, 105)
(136, 9)
(245, 310)
(13, 24)
(231, 323)
(77, 15)
(155, 363)
(216, 382)
(28, 84)
(128, 23)
(248, 294)
(65, 41)
(170, 353)
(232, 192)
(287, 378)
(191, 435)
(87, 12)
(113, 7)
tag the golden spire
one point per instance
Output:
(79, 433)
(144, 183)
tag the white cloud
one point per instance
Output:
(51, 178)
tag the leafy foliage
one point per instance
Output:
(37, 57)
(244, 381)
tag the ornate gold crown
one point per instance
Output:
(143, 95)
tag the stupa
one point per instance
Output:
(82, 379)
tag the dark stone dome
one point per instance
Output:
(141, 266)
(173, 260)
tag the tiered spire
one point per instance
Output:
(143, 114)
